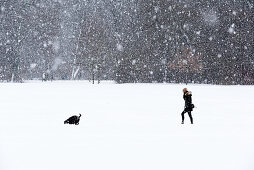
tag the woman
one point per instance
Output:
(188, 107)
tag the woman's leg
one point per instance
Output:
(191, 119)
(183, 116)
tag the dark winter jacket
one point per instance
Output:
(188, 101)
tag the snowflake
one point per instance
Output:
(119, 47)
(231, 29)
(33, 65)
(210, 17)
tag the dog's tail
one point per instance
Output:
(79, 115)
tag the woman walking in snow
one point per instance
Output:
(188, 107)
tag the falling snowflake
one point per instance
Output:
(119, 47)
(210, 17)
(231, 29)
(33, 65)
(156, 9)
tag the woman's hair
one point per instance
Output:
(185, 89)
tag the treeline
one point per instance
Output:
(203, 41)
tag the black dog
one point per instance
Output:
(73, 120)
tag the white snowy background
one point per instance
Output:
(125, 127)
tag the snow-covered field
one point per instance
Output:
(125, 127)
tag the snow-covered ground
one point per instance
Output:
(125, 127)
